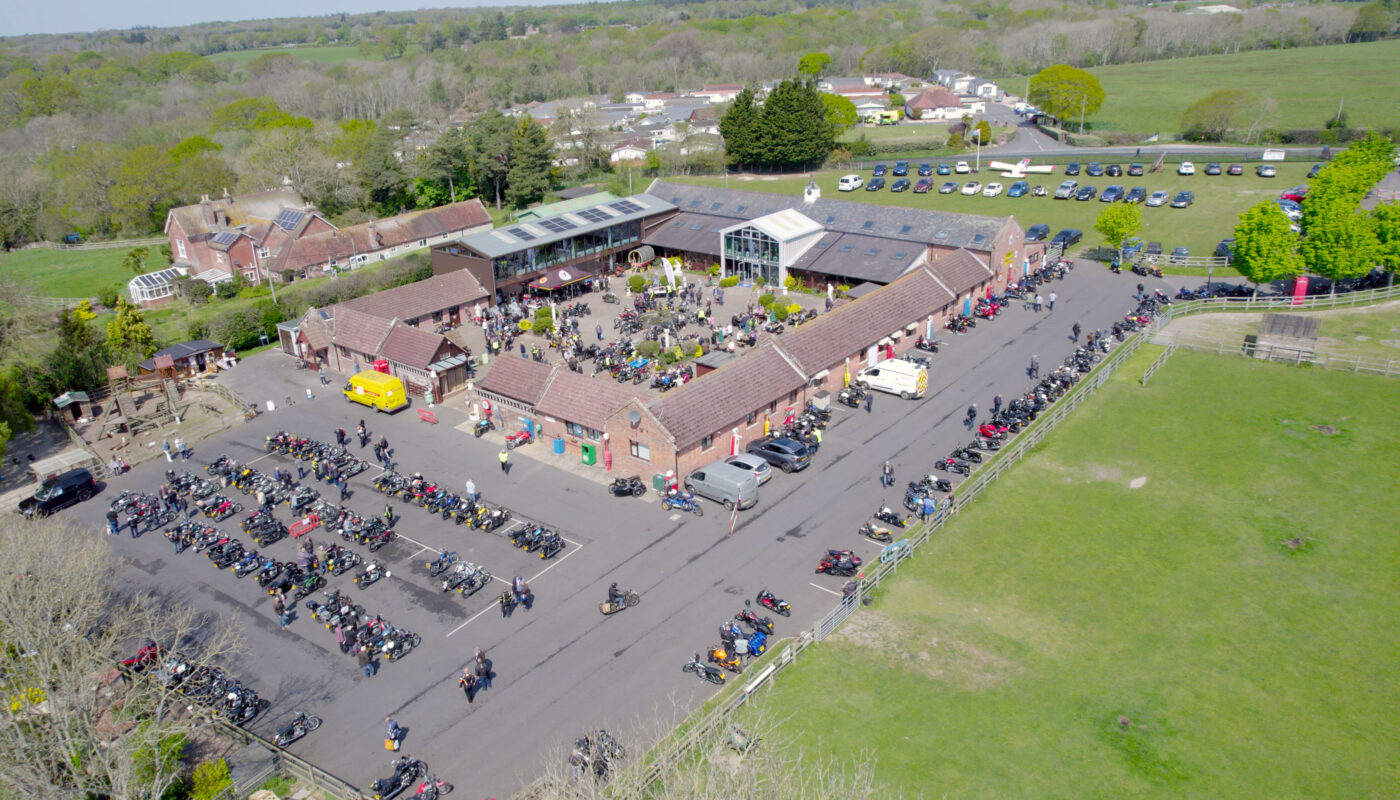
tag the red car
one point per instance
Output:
(923, 185)
(1296, 194)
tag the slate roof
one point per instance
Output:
(587, 401)
(519, 379)
(422, 298)
(681, 233)
(316, 327)
(411, 346)
(833, 336)
(182, 350)
(367, 237)
(242, 210)
(728, 394)
(860, 258)
(359, 332)
(941, 228)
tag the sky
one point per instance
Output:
(19, 17)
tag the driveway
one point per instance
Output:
(563, 668)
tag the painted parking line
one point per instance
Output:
(824, 589)
(474, 617)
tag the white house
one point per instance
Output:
(630, 150)
(720, 92)
(981, 87)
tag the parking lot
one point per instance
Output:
(562, 668)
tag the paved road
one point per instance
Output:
(563, 668)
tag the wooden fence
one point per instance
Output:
(281, 762)
(153, 241)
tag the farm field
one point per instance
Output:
(72, 273)
(1219, 201)
(323, 54)
(1151, 97)
(1372, 332)
(1071, 636)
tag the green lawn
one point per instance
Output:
(72, 273)
(327, 54)
(1219, 201)
(1307, 82)
(1070, 637)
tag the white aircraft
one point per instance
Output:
(1020, 168)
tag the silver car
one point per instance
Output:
(752, 463)
(1158, 198)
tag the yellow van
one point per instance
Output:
(376, 390)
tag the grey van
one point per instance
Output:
(724, 483)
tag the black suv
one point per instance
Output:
(58, 492)
(788, 455)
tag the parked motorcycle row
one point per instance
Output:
(408, 773)
(457, 575)
(741, 638)
(359, 628)
(343, 461)
(211, 689)
(598, 751)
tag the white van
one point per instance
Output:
(849, 183)
(895, 376)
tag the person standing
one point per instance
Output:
(366, 663)
(363, 433)
(321, 373)
(971, 414)
(996, 405)
(472, 496)
(468, 684)
(927, 507)
(339, 633)
(1037, 302)
(1052, 301)
(598, 329)
(1074, 331)
(522, 592)
(392, 733)
(505, 461)
(482, 669)
(135, 522)
(1035, 367)
(114, 526)
(344, 486)
(182, 449)
(887, 475)
(165, 446)
(280, 609)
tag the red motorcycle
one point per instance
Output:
(431, 788)
(953, 465)
(839, 562)
(988, 430)
(517, 439)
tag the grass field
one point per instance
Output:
(1307, 82)
(72, 273)
(1069, 636)
(1219, 201)
(1370, 333)
(328, 54)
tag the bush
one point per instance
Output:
(793, 308)
(732, 280)
(780, 313)
(713, 270)
(648, 349)
(197, 330)
(526, 325)
(637, 283)
(279, 785)
(699, 350)
(790, 283)
(226, 290)
(765, 300)
(673, 355)
(210, 778)
(544, 321)
(760, 281)
(843, 288)
(108, 297)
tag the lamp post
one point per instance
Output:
(977, 134)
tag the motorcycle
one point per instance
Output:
(303, 724)
(482, 427)
(371, 575)
(517, 439)
(625, 487)
(931, 483)
(629, 598)
(441, 564)
(431, 788)
(772, 603)
(851, 396)
(754, 621)
(876, 533)
(967, 454)
(704, 671)
(682, 502)
(926, 344)
(839, 562)
(886, 514)
(953, 465)
(725, 658)
(406, 770)
(550, 544)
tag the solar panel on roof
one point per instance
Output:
(978, 239)
(521, 234)
(694, 203)
(872, 252)
(627, 206)
(699, 226)
(225, 237)
(288, 218)
(905, 228)
(556, 225)
(830, 219)
(898, 256)
(715, 206)
(594, 215)
(848, 248)
(869, 225)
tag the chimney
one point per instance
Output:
(220, 217)
(206, 210)
(227, 196)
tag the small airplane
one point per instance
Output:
(1019, 169)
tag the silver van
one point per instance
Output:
(724, 483)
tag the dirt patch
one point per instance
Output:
(931, 653)
(1138, 482)
(1326, 430)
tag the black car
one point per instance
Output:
(1212, 168)
(1113, 171)
(899, 185)
(925, 169)
(901, 168)
(1135, 195)
(1183, 199)
(1135, 169)
(58, 492)
(788, 455)
(1037, 233)
(1072, 168)
(1067, 237)
(1226, 250)
(1086, 193)
(1179, 255)
(1095, 170)
(875, 185)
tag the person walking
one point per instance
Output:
(505, 461)
(114, 527)
(366, 663)
(507, 603)
(1034, 370)
(598, 329)
(362, 433)
(482, 669)
(1037, 302)
(280, 609)
(1052, 301)
(182, 449)
(887, 475)
(135, 522)
(321, 373)
(468, 684)
(472, 496)
(166, 447)
(1140, 290)
(344, 486)
(971, 414)
(996, 405)
(869, 400)
(522, 592)
(339, 633)
(1074, 331)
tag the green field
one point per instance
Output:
(72, 273)
(1069, 636)
(327, 54)
(1219, 201)
(1307, 82)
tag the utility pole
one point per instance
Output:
(1083, 102)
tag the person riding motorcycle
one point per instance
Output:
(615, 595)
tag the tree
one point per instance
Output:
(1211, 118)
(840, 111)
(489, 140)
(739, 127)
(73, 729)
(1065, 92)
(1385, 220)
(79, 361)
(135, 259)
(129, 334)
(1265, 248)
(531, 158)
(1341, 240)
(793, 130)
(813, 64)
(1118, 223)
(1373, 21)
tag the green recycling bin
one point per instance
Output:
(590, 454)
(658, 482)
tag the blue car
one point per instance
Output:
(944, 169)
(925, 169)
(1018, 188)
(880, 169)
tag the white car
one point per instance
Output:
(755, 464)
(992, 190)
(962, 168)
(849, 183)
(971, 188)
(1186, 168)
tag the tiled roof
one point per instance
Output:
(961, 270)
(587, 401)
(410, 346)
(244, 209)
(516, 378)
(935, 98)
(422, 298)
(317, 331)
(727, 395)
(823, 342)
(182, 350)
(689, 231)
(367, 237)
(860, 258)
(359, 332)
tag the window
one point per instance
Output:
(792, 396)
(773, 407)
(180, 246)
(576, 429)
(707, 442)
(640, 451)
(753, 415)
(422, 242)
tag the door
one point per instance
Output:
(871, 355)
